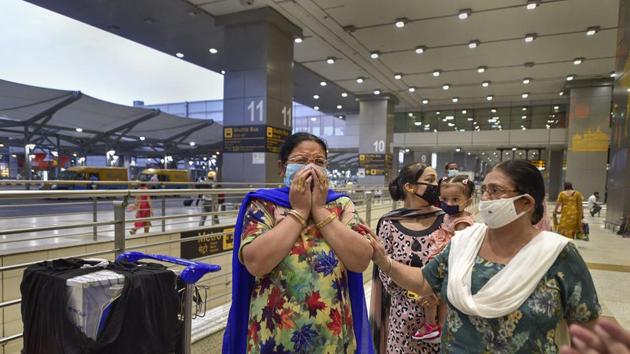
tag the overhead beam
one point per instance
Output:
(73, 97)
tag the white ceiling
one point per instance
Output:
(560, 25)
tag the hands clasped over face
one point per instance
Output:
(309, 189)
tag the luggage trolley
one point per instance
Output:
(189, 276)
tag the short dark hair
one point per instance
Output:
(294, 139)
(462, 180)
(595, 192)
(408, 174)
(527, 179)
(450, 163)
(568, 186)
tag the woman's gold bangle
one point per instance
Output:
(326, 221)
(296, 214)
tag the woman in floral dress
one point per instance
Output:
(510, 287)
(299, 251)
(407, 234)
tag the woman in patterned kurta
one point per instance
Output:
(406, 234)
(303, 304)
(301, 251)
(566, 292)
(571, 212)
(505, 293)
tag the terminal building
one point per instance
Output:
(384, 83)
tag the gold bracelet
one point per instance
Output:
(326, 221)
(296, 214)
(389, 261)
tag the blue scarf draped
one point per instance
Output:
(235, 337)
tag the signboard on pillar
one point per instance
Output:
(253, 138)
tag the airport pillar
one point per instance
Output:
(258, 93)
(376, 133)
(588, 135)
(618, 193)
(555, 166)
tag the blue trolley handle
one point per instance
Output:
(190, 275)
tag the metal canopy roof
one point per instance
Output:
(37, 115)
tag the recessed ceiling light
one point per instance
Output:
(313, 119)
(344, 94)
(375, 54)
(455, 99)
(494, 110)
(330, 60)
(524, 109)
(179, 55)
(464, 111)
(298, 40)
(425, 101)
(316, 97)
(485, 84)
(437, 113)
(578, 61)
(410, 114)
(489, 98)
(446, 87)
(473, 44)
(523, 117)
(561, 93)
(397, 76)
(213, 50)
(437, 73)
(412, 89)
(78, 130)
(532, 4)
(592, 30)
(222, 72)
(613, 75)
(470, 119)
(192, 143)
(481, 69)
(451, 124)
(400, 22)
(341, 116)
(417, 124)
(526, 81)
(464, 14)
(142, 138)
(316, 108)
(360, 80)
(420, 49)
(570, 77)
(530, 37)
(514, 149)
(458, 149)
(323, 83)
(377, 92)
(339, 106)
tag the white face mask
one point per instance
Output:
(500, 212)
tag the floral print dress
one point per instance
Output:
(406, 315)
(303, 304)
(566, 292)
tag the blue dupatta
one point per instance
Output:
(235, 336)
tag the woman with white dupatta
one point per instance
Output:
(510, 287)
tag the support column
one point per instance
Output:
(588, 135)
(554, 166)
(376, 133)
(258, 91)
(618, 193)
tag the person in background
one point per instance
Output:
(451, 169)
(510, 288)
(298, 256)
(144, 209)
(407, 235)
(593, 204)
(569, 206)
(209, 205)
(544, 224)
(455, 196)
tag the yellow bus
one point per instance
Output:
(164, 175)
(96, 174)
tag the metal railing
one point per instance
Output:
(370, 206)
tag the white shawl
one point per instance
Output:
(507, 290)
